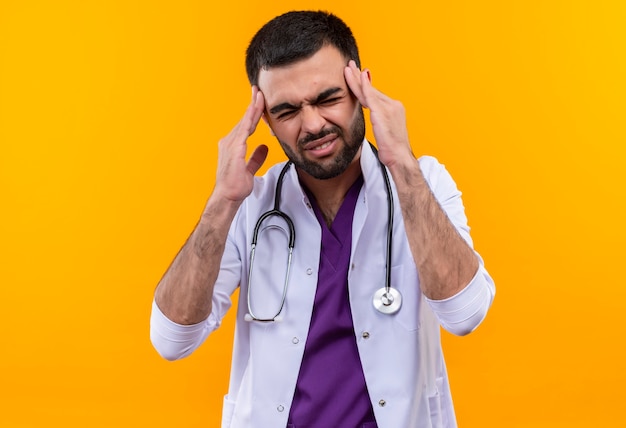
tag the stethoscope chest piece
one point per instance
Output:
(387, 300)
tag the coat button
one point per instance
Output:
(295, 340)
(365, 335)
(309, 271)
(280, 408)
(382, 403)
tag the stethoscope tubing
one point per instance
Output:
(389, 223)
(255, 236)
(386, 300)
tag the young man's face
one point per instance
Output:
(312, 112)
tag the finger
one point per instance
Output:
(248, 123)
(254, 112)
(365, 80)
(373, 98)
(366, 73)
(257, 159)
(352, 76)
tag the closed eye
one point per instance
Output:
(330, 101)
(286, 114)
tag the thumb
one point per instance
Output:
(257, 159)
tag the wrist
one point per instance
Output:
(220, 210)
(407, 172)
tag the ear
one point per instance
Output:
(265, 119)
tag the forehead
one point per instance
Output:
(305, 78)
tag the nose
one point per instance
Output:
(312, 121)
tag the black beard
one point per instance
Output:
(343, 159)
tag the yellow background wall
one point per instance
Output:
(109, 116)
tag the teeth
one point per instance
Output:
(323, 146)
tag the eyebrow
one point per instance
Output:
(320, 97)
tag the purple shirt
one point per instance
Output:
(331, 389)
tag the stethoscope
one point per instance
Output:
(386, 300)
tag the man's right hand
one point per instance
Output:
(235, 176)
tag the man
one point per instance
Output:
(311, 349)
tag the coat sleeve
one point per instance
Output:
(463, 312)
(175, 341)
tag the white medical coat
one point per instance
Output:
(401, 353)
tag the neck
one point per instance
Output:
(329, 194)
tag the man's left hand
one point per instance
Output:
(387, 115)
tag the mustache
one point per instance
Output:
(321, 134)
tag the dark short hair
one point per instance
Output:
(295, 36)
